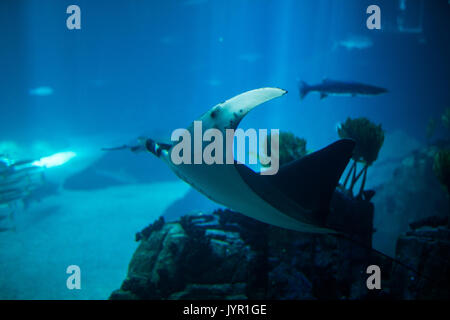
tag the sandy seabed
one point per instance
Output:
(92, 229)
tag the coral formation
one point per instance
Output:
(368, 136)
(369, 139)
(147, 231)
(290, 147)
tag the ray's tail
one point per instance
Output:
(392, 259)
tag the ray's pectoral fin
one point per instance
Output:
(307, 183)
(311, 180)
(228, 114)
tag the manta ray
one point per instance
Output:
(297, 197)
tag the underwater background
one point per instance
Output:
(148, 67)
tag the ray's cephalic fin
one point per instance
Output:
(142, 144)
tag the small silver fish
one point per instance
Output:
(354, 42)
(41, 91)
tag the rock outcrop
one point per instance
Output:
(427, 250)
(226, 255)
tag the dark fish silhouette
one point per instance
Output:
(332, 87)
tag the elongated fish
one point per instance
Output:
(340, 88)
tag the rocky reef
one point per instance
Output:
(225, 255)
(427, 250)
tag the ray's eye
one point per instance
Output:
(214, 113)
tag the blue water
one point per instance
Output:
(148, 67)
